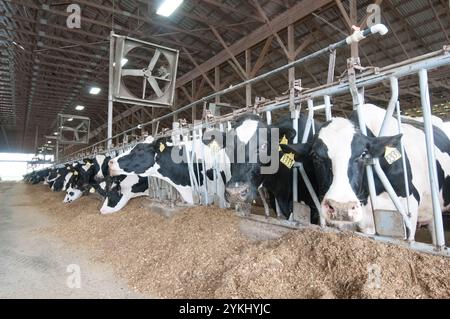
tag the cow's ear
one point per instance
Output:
(377, 145)
(214, 137)
(301, 150)
(287, 133)
(159, 145)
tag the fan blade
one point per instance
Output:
(162, 79)
(155, 86)
(144, 88)
(155, 58)
(132, 72)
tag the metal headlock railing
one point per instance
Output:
(353, 84)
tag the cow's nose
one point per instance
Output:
(338, 211)
(237, 192)
(111, 163)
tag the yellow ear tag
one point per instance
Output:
(284, 141)
(392, 155)
(288, 160)
(75, 173)
(214, 146)
(162, 147)
(92, 190)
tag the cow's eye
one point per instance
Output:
(315, 156)
(365, 154)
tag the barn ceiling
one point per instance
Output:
(47, 68)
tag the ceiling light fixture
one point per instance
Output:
(95, 90)
(79, 108)
(168, 7)
(123, 62)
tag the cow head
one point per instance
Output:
(84, 176)
(119, 190)
(137, 161)
(254, 154)
(339, 153)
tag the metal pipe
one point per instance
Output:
(430, 61)
(391, 106)
(269, 117)
(431, 158)
(363, 34)
(309, 121)
(391, 192)
(405, 169)
(311, 190)
(327, 101)
(358, 98)
(411, 66)
(296, 115)
(110, 88)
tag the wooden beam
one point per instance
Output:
(227, 8)
(217, 82)
(344, 14)
(280, 22)
(354, 47)
(248, 69)
(227, 49)
(302, 46)
(274, 33)
(260, 61)
(436, 15)
(203, 73)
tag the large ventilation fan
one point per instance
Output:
(73, 129)
(143, 72)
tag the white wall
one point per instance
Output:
(14, 171)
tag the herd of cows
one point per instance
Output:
(334, 159)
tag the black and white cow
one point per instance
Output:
(156, 159)
(340, 151)
(87, 174)
(63, 175)
(248, 176)
(37, 177)
(118, 191)
(92, 176)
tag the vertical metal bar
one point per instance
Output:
(309, 121)
(358, 101)
(331, 67)
(431, 158)
(35, 137)
(203, 162)
(295, 172)
(405, 169)
(110, 93)
(391, 106)
(269, 122)
(327, 107)
(269, 117)
(56, 159)
(390, 190)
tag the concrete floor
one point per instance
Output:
(33, 265)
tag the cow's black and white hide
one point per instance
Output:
(256, 164)
(87, 174)
(340, 152)
(168, 162)
(118, 190)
